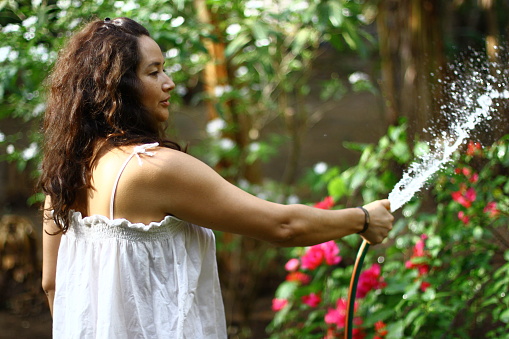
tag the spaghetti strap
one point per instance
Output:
(141, 149)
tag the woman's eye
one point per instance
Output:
(154, 73)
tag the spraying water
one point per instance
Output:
(475, 106)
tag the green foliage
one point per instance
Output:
(445, 265)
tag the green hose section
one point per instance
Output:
(361, 254)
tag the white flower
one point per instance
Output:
(13, 55)
(233, 29)
(10, 28)
(172, 53)
(293, 199)
(299, 6)
(2, 137)
(177, 21)
(181, 90)
(215, 126)
(174, 68)
(358, 76)
(220, 90)
(262, 42)
(254, 147)
(39, 52)
(241, 71)
(254, 4)
(4, 53)
(194, 58)
(320, 168)
(165, 17)
(129, 6)
(64, 4)
(39, 109)
(74, 23)
(29, 152)
(36, 3)
(226, 144)
(10, 149)
(29, 22)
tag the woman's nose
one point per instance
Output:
(168, 85)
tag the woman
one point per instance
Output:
(131, 261)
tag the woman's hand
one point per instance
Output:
(380, 221)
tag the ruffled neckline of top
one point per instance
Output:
(97, 219)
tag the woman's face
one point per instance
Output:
(155, 84)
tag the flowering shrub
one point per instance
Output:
(443, 272)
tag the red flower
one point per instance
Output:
(278, 304)
(419, 252)
(463, 217)
(326, 204)
(381, 329)
(474, 178)
(491, 208)
(312, 299)
(425, 285)
(299, 277)
(464, 197)
(369, 279)
(473, 148)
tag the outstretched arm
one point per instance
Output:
(50, 244)
(192, 191)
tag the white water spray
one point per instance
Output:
(420, 171)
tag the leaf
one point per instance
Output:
(286, 289)
(337, 188)
(335, 14)
(301, 38)
(504, 316)
(395, 330)
(233, 47)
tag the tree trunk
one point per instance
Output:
(411, 52)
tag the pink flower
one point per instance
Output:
(466, 171)
(292, 265)
(278, 304)
(459, 198)
(470, 195)
(325, 204)
(312, 299)
(315, 255)
(491, 208)
(463, 217)
(337, 316)
(331, 251)
(298, 277)
(369, 279)
(312, 258)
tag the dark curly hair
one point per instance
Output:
(93, 100)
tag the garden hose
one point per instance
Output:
(350, 310)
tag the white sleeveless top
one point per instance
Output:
(117, 279)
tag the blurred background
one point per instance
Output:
(272, 94)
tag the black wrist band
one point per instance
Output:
(366, 219)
